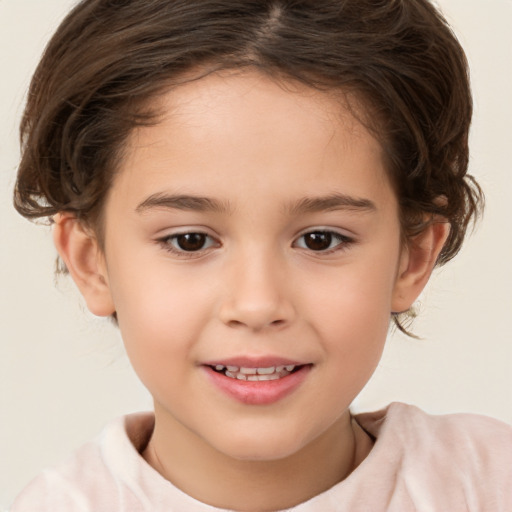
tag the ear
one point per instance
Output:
(80, 251)
(416, 264)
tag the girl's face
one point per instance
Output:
(252, 234)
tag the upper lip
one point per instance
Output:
(254, 362)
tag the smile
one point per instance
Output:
(255, 374)
(262, 382)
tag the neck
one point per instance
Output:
(217, 479)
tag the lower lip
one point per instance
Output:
(264, 392)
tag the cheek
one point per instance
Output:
(158, 333)
(351, 314)
(355, 331)
(160, 313)
(357, 297)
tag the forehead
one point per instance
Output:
(247, 126)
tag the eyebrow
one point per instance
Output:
(183, 202)
(332, 202)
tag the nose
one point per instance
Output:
(258, 295)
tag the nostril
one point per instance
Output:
(235, 323)
(261, 325)
(255, 314)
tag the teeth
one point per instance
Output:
(248, 371)
(255, 378)
(255, 374)
(266, 371)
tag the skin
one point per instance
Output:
(266, 157)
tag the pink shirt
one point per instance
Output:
(421, 463)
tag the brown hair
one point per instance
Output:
(109, 57)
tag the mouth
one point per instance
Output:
(258, 374)
(262, 381)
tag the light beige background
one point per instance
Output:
(63, 373)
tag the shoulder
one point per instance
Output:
(479, 440)
(418, 423)
(93, 473)
(466, 456)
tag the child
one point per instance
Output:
(252, 190)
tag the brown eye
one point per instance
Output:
(190, 242)
(322, 241)
(318, 241)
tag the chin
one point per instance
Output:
(262, 447)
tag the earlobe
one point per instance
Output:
(79, 249)
(417, 263)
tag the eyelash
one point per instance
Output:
(170, 243)
(167, 243)
(343, 241)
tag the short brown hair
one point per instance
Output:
(109, 57)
